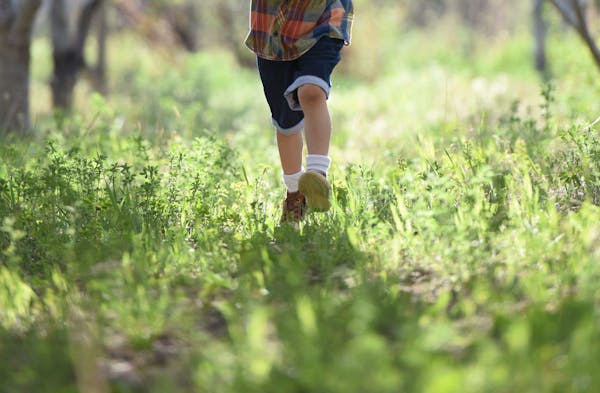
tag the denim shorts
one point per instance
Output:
(281, 80)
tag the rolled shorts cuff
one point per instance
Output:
(291, 130)
(292, 98)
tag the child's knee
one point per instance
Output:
(311, 94)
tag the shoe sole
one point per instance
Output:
(316, 190)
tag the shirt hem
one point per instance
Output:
(295, 56)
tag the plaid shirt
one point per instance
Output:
(286, 29)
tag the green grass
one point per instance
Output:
(141, 249)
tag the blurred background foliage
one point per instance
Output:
(389, 35)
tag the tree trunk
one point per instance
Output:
(540, 31)
(472, 12)
(15, 42)
(99, 72)
(14, 86)
(64, 57)
(421, 13)
(68, 50)
(184, 23)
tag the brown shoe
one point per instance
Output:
(294, 207)
(316, 189)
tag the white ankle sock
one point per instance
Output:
(291, 181)
(319, 163)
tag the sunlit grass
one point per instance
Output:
(141, 249)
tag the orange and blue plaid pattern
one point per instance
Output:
(286, 29)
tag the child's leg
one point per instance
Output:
(309, 93)
(290, 152)
(317, 122)
(276, 76)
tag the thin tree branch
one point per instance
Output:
(582, 26)
(593, 124)
(566, 11)
(584, 31)
(573, 14)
